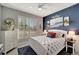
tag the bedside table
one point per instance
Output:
(70, 43)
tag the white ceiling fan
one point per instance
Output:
(41, 6)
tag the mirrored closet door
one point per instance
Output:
(29, 26)
(23, 27)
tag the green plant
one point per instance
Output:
(8, 24)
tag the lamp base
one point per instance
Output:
(71, 39)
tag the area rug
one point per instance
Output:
(27, 50)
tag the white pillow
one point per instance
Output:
(59, 34)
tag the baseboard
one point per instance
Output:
(11, 50)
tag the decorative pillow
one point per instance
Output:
(60, 35)
(51, 34)
(63, 35)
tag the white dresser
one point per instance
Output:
(9, 39)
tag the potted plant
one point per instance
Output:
(8, 24)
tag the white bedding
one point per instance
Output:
(43, 45)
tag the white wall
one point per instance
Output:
(0, 16)
(0, 25)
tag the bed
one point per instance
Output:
(44, 45)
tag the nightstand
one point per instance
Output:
(70, 43)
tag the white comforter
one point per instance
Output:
(43, 45)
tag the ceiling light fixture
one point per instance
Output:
(39, 9)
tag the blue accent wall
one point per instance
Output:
(72, 12)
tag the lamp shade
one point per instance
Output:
(45, 32)
(71, 32)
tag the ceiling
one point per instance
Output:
(33, 8)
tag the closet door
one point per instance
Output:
(33, 26)
(29, 26)
(23, 27)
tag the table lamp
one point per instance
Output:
(45, 32)
(72, 35)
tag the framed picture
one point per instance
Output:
(56, 22)
(48, 24)
(66, 21)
